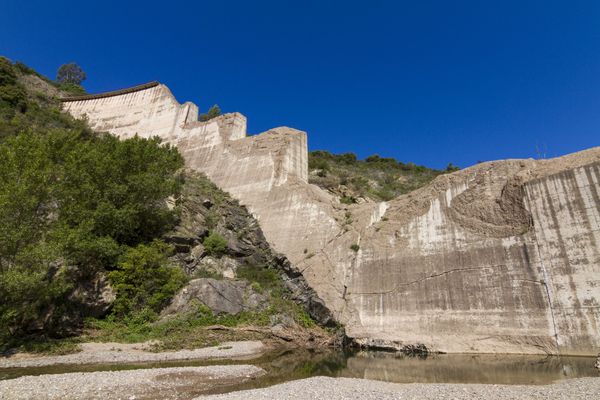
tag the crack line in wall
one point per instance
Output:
(438, 275)
(544, 272)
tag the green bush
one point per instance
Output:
(26, 292)
(452, 168)
(72, 88)
(267, 278)
(347, 200)
(378, 178)
(144, 281)
(215, 244)
(213, 112)
(72, 202)
(355, 247)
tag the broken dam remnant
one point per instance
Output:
(501, 257)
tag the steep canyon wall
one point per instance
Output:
(501, 257)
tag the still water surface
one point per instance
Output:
(288, 365)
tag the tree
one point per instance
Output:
(213, 112)
(452, 168)
(70, 73)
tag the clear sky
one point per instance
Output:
(430, 82)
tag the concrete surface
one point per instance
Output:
(501, 257)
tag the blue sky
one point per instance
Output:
(430, 82)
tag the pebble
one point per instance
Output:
(362, 389)
(152, 383)
(104, 353)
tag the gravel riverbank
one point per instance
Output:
(106, 353)
(154, 383)
(358, 389)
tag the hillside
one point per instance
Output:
(374, 178)
(93, 226)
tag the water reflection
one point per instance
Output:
(464, 368)
(286, 365)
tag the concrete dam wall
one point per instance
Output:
(500, 257)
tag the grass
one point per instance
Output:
(189, 330)
(47, 346)
(205, 273)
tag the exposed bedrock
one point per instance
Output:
(500, 257)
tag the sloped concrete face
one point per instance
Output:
(501, 257)
(566, 208)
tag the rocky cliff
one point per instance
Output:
(500, 257)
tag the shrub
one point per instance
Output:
(213, 112)
(355, 247)
(215, 244)
(452, 168)
(318, 163)
(72, 88)
(144, 279)
(70, 197)
(267, 278)
(347, 200)
(348, 158)
(26, 291)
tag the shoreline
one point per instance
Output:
(153, 383)
(353, 388)
(264, 379)
(119, 353)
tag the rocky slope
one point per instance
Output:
(500, 257)
(229, 280)
(233, 270)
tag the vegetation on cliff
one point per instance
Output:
(375, 178)
(214, 235)
(100, 233)
(73, 205)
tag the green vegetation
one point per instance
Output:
(72, 89)
(213, 112)
(187, 331)
(183, 331)
(72, 204)
(215, 244)
(70, 73)
(377, 178)
(144, 281)
(77, 205)
(22, 110)
(355, 247)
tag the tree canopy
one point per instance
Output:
(70, 73)
(73, 203)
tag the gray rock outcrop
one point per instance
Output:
(221, 296)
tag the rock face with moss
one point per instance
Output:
(500, 257)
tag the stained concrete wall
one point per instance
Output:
(501, 257)
(470, 284)
(566, 211)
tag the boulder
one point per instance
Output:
(221, 296)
